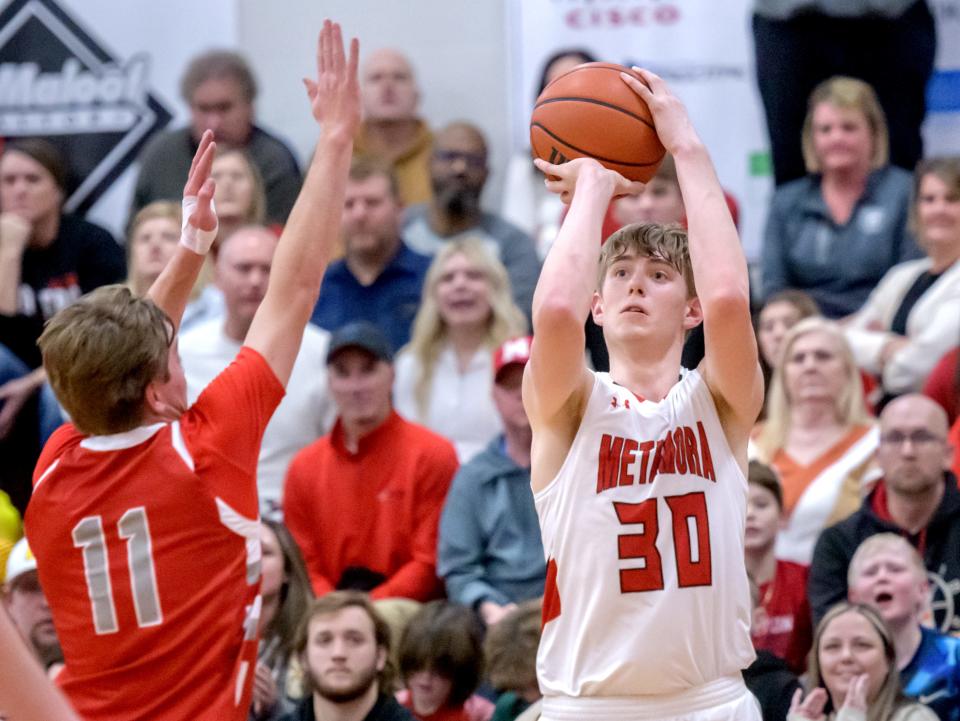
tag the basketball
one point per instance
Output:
(590, 112)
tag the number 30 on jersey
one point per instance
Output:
(691, 541)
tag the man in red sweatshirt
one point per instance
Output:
(364, 502)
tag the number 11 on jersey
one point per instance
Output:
(134, 528)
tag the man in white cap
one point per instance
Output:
(27, 606)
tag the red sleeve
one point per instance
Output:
(417, 579)
(941, 384)
(66, 435)
(801, 640)
(297, 516)
(228, 419)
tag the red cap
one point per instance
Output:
(515, 350)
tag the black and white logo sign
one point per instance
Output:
(58, 83)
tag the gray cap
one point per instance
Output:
(363, 335)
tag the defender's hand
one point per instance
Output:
(335, 94)
(199, 188)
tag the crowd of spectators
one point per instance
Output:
(399, 536)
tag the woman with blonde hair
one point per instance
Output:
(853, 672)
(836, 231)
(151, 240)
(444, 376)
(817, 435)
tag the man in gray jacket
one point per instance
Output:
(489, 554)
(458, 173)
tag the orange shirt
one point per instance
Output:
(148, 550)
(795, 477)
(378, 508)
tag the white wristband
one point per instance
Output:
(191, 237)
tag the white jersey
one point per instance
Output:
(643, 532)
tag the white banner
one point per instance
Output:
(941, 129)
(702, 49)
(705, 52)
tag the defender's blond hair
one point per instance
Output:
(100, 355)
(649, 240)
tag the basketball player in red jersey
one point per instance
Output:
(639, 475)
(144, 512)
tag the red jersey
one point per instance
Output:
(787, 630)
(378, 508)
(148, 549)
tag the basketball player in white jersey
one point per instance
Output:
(639, 475)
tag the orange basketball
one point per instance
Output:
(590, 112)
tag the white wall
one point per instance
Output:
(458, 48)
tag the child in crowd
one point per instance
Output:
(782, 619)
(441, 662)
(511, 652)
(887, 573)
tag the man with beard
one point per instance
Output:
(458, 171)
(379, 278)
(917, 498)
(344, 646)
(24, 601)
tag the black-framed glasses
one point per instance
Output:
(916, 438)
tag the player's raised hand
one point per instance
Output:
(810, 707)
(199, 188)
(563, 179)
(669, 114)
(335, 94)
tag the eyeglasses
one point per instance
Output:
(474, 161)
(916, 438)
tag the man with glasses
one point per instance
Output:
(458, 172)
(917, 498)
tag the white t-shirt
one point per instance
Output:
(461, 405)
(643, 533)
(305, 413)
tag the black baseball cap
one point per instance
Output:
(363, 335)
